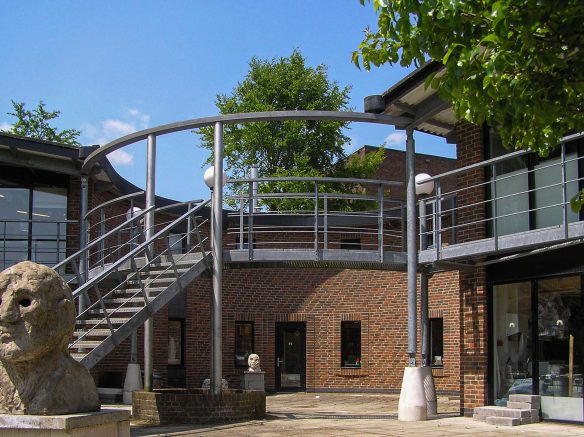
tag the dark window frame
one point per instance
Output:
(433, 351)
(182, 342)
(239, 364)
(346, 360)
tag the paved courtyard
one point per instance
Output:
(328, 414)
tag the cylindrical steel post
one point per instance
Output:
(412, 253)
(425, 321)
(149, 223)
(254, 175)
(217, 222)
(84, 261)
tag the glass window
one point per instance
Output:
(437, 342)
(560, 343)
(548, 195)
(350, 344)
(512, 345)
(244, 342)
(175, 341)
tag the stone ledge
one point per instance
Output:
(64, 422)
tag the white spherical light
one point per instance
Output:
(209, 177)
(133, 212)
(423, 187)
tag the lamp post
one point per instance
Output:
(211, 180)
(423, 189)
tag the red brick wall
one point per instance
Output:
(322, 298)
(473, 294)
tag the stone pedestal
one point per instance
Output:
(412, 405)
(104, 423)
(133, 382)
(253, 381)
(430, 390)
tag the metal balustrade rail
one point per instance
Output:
(146, 278)
(314, 218)
(43, 241)
(519, 201)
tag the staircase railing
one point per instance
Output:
(137, 272)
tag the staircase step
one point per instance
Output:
(504, 421)
(534, 400)
(519, 405)
(502, 412)
(86, 344)
(93, 333)
(78, 355)
(120, 300)
(133, 290)
(91, 322)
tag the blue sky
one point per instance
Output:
(113, 67)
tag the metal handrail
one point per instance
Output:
(140, 248)
(113, 201)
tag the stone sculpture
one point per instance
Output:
(207, 384)
(37, 319)
(253, 361)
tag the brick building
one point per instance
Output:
(342, 326)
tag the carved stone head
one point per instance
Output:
(37, 313)
(253, 361)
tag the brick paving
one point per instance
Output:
(328, 414)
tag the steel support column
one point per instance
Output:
(84, 262)
(217, 250)
(412, 253)
(149, 223)
(425, 321)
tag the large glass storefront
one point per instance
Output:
(538, 344)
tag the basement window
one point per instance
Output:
(350, 344)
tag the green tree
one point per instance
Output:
(35, 124)
(514, 64)
(289, 148)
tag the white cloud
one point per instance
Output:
(396, 140)
(117, 128)
(121, 157)
(5, 126)
(110, 129)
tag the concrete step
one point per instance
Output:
(533, 400)
(503, 421)
(519, 405)
(502, 412)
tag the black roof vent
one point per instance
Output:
(374, 104)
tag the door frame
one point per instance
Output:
(279, 329)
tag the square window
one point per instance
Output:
(437, 342)
(244, 342)
(175, 341)
(350, 344)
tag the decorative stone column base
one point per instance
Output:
(430, 390)
(253, 381)
(412, 399)
(133, 382)
(104, 423)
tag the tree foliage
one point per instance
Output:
(35, 124)
(289, 148)
(516, 64)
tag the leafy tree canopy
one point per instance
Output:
(514, 64)
(289, 148)
(35, 124)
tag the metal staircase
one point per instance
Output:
(117, 294)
